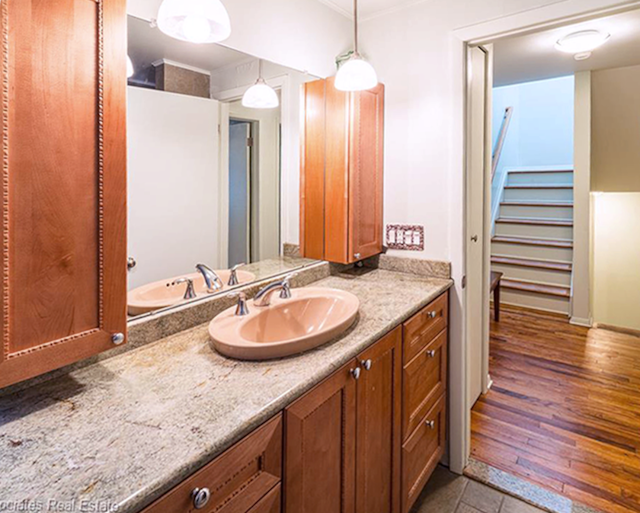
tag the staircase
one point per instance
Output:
(533, 241)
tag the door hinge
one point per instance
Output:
(250, 142)
(464, 282)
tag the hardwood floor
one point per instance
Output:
(564, 409)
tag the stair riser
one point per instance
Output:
(540, 178)
(537, 212)
(532, 300)
(535, 252)
(533, 231)
(532, 274)
(538, 194)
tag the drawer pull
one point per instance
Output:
(431, 424)
(366, 364)
(356, 373)
(432, 315)
(200, 497)
(431, 353)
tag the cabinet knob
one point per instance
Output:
(356, 373)
(432, 315)
(366, 364)
(357, 256)
(131, 263)
(117, 338)
(431, 424)
(431, 353)
(200, 497)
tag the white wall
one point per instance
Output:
(616, 259)
(173, 183)
(302, 34)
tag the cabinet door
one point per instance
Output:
(366, 164)
(379, 427)
(63, 286)
(321, 447)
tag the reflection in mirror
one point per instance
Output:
(209, 181)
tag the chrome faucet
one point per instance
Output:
(241, 308)
(211, 279)
(263, 298)
(190, 293)
(233, 277)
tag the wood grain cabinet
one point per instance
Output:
(63, 229)
(341, 190)
(343, 438)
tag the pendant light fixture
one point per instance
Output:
(260, 95)
(356, 74)
(582, 43)
(195, 21)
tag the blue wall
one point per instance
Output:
(541, 130)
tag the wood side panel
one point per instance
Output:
(379, 406)
(238, 479)
(64, 176)
(312, 171)
(337, 174)
(320, 447)
(366, 174)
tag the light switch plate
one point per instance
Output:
(405, 237)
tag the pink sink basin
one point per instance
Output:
(312, 317)
(161, 294)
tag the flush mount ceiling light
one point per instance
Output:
(195, 21)
(356, 74)
(260, 95)
(582, 43)
(130, 70)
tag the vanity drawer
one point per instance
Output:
(270, 503)
(237, 480)
(424, 326)
(425, 380)
(422, 452)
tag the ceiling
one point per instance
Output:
(148, 45)
(534, 57)
(369, 8)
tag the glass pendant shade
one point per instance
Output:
(195, 21)
(260, 96)
(130, 70)
(356, 75)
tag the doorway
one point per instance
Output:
(240, 196)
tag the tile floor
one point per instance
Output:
(450, 493)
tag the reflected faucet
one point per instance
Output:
(233, 277)
(190, 293)
(263, 298)
(211, 279)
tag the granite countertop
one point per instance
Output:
(120, 433)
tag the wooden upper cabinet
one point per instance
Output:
(63, 286)
(341, 188)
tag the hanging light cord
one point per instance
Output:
(355, 25)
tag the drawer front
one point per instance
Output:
(236, 480)
(422, 452)
(420, 330)
(425, 380)
(270, 503)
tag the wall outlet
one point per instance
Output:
(405, 237)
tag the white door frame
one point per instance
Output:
(533, 20)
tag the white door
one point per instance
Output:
(239, 193)
(478, 237)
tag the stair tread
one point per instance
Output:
(562, 204)
(542, 186)
(538, 288)
(542, 171)
(552, 243)
(531, 262)
(535, 221)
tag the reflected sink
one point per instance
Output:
(310, 318)
(161, 294)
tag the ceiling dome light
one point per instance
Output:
(195, 21)
(356, 74)
(130, 70)
(582, 42)
(260, 95)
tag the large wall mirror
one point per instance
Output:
(212, 184)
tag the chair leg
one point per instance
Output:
(496, 302)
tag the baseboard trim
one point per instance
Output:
(580, 321)
(618, 329)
